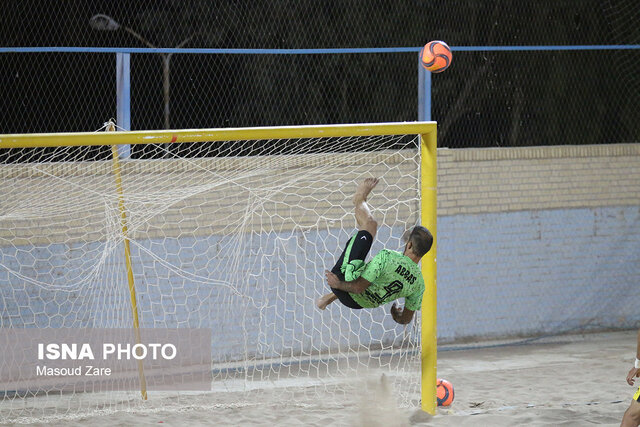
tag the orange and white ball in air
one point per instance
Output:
(436, 56)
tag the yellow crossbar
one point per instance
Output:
(221, 134)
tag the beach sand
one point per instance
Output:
(572, 380)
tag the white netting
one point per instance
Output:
(237, 244)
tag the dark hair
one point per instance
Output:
(421, 240)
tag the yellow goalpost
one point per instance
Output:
(428, 193)
(428, 212)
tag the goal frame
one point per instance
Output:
(428, 191)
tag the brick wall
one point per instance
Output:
(538, 240)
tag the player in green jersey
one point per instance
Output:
(388, 276)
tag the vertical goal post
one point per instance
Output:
(426, 130)
(127, 253)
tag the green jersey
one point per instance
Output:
(392, 276)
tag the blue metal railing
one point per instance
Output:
(424, 77)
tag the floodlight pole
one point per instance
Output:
(166, 85)
(166, 61)
(123, 68)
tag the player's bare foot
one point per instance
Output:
(363, 190)
(325, 300)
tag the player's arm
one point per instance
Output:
(401, 315)
(635, 371)
(357, 286)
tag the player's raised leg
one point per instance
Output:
(364, 218)
(365, 222)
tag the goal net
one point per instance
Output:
(227, 230)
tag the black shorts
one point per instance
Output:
(356, 248)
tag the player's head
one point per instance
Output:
(419, 240)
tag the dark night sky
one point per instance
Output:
(306, 24)
(484, 99)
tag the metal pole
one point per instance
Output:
(166, 88)
(123, 97)
(424, 93)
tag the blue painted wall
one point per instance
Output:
(499, 275)
(538, 272)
